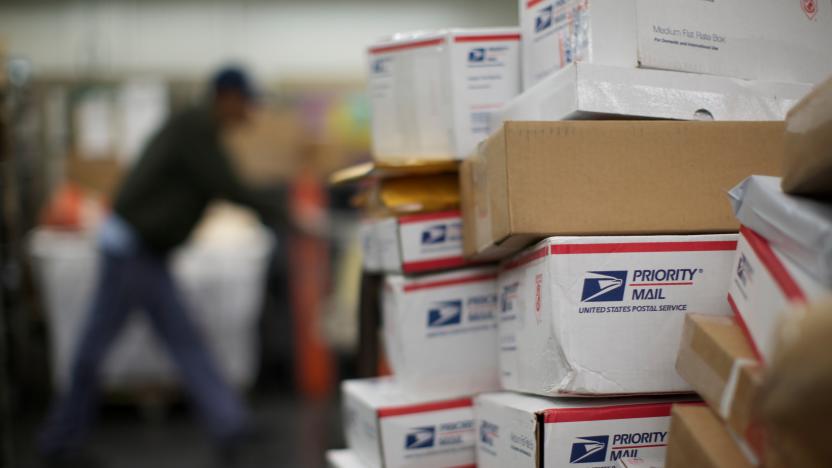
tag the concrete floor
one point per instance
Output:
(295, 435)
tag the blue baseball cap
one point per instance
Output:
(233, 79)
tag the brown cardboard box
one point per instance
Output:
(698, 439)
(98, 175)
(717, 360)
(808, 144)
(531, 180)
(267, 149)
(795, 400)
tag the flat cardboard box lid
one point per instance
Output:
(539, 179)
(585, 91)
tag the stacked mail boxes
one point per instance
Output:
(549, 335)
(438, 330)
(432, 94)
(781, 267)
(636, 233)
(609, 233)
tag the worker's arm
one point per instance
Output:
(210, 163)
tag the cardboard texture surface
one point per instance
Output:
(385, 427)
(795, 399)
(698, 37)
(440, 331)
(799, 227)
(718, 361)
(698, 439)
(517, 430)
(604, 315)
(536, 179)
(590, 91)
(764, 288)
(808, 143)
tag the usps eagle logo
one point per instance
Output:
(810, 7)
(419, 438)
(590, 449)
(445, 313)
(603, 286)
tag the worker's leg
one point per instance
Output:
(72, 414)
(217, 404)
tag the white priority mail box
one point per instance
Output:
(556, 33)
(440, 331)
(585, 91)
(516, 430)
(431, 93)
(751, 39)
(765, 285)
(343, 458)
(797, 226)
(386, 428)
(604, 315)
(420, 242)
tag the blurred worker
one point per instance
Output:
(182, 169)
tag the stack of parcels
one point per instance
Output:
(629, 216)
(719, 362)
(438, 329)
(636, 233)
(432, 94)
(783, 262)
(412, 221)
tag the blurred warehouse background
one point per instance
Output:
(82, 87)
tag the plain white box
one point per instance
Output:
(440, 331)
(387, 428)
(517, 431)
(765, 286)
(604, 315)
(752, 39)
(419, 243)
(585, 91)
(431, 93)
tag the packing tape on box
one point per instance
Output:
(731, 386)
(745, 447)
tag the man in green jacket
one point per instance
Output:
(183, 168)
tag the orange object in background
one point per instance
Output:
(308, 286)
(64, 208)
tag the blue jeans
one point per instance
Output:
(131, 276)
